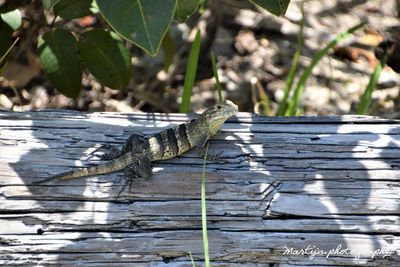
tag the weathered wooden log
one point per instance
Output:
(299, 191)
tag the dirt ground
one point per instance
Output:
(254, 51)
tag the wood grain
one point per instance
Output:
(293, 190)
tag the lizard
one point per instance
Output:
(138, 152)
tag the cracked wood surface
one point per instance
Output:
(300, 191)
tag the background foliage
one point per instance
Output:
(102, 51)
(149, 51)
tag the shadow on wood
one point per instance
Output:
(295, 192)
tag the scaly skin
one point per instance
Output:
(162, 146)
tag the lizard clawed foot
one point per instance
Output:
(216, 158)
(130, 179)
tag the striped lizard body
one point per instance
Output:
(138, 153)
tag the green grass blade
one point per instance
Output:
(190, 75)
(260, 98)
(293, 68)
(289, 83)
(366, 97)
(291, 110)
(214, 66)
(204, 212)
(191, 259)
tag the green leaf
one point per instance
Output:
(106, 57)
(185, 8)
(276, 7)
(94, 8)
(6, 40)
(48, 4)
(71, 9)
(58, 51)
(142, 22)
(12, 18)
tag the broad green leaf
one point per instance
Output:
(94, 8)
(58, 51)
(185, 8)
(71, 9)
(276, 7)
(48, 4)
(106, 57)
(6, 40)
(143, 22)
(12, 18)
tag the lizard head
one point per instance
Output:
(216, 115)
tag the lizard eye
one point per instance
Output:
(219, 107)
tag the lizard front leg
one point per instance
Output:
(202, 149)
(216, 158)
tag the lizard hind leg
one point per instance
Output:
(107, 152)
(141, 168)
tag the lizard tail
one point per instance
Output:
(112, 166)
